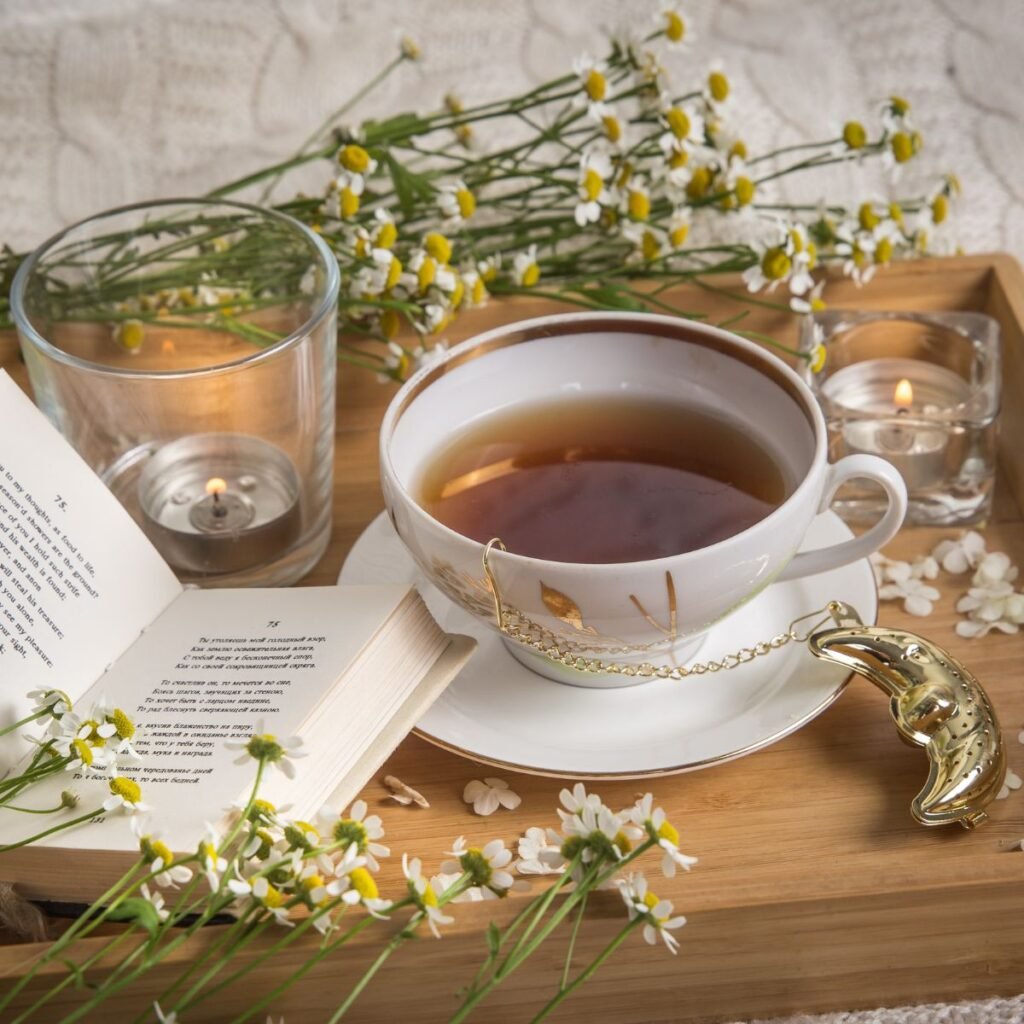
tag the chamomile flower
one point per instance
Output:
(214, 865)
(356, 160)
(55, 702)
(655, 823)
(539, 853)
(679, 228)
(592, 76)
(673, 24)
(268, 749)
(474, 289)
(157, 856)
(858, 248)
(595, 170)
(125, 794)
(773, 265)
(457, 203)
(363, 889)
(809, 302)
(424, 894)
(485, 865)
(357, 829)
(156, 901)
(525, 268)
(613, 127)
(685, 130)
(656, 913)
(267, 895)
(717, 87)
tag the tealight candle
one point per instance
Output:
(894, 403)
(220, 503)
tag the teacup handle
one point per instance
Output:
(865, 467)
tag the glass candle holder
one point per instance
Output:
(187, 350)
(919, 389)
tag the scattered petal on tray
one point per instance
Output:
(1013, 782)
(403, 794)
(487, 796)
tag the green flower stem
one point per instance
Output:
(25, 721)
(50, 831)
(36, 810)
(321, 954)
(741, 296)
(274, 171)
(572, 941)
(566, 990)
(797, 148)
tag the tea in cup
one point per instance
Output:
(645, 475)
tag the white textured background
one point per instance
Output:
(104, 102)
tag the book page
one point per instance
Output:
(217, 665)
(79, 579)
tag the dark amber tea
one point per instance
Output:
(602, 479)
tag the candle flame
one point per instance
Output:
(216, 486)
(904, 394)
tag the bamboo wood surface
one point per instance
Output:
(815, 888)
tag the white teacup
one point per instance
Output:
(653, 611)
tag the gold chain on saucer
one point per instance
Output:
(540, 640)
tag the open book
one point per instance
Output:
(88, 606)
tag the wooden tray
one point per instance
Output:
(815, 889)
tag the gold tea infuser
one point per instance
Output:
(934, 700)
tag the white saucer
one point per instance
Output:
(501, 713)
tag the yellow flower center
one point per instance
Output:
(738, 149)
(122, 723)
(679, 234)
(796, 240)
(649, 246)
(458, 293)
(812, 259)
(867, 217)
(858, 256)
(899, 105)
(426, 274)
(429, 897)
(131, 334)
(363, 883)
(84, 751)
(818, 357)
(940, 209)
(438, 246)
(775, 264)
(466, 201)
(478, 291)
(387, 235)
(621, 840)
(883, 251)
(679, 158)
(591, 184)
(675, 27)
(311, 882)
(699, 183)
(153, 850)
(596, 85)
(127, 789)
(678, 122)
(896, 212)
(744, 190)
(953, 182)
(854, 135)
(354, 158)
(394, 273)
(464, 133)
(261, 810)
(612, 127)
(718, 86)
(921, 241)
(390, 321)
(272, 898)
(348, 203)
(531, 275)
(639, 205)
(668, 831)
(902, 147)
(650, 900)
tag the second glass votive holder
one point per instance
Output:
(187, 350)
(922, 390)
